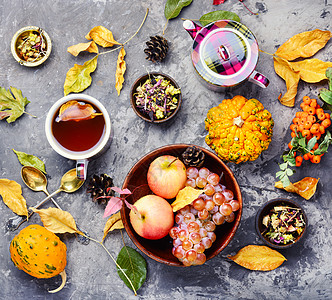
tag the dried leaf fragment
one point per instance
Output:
(304, 44)
(75, 111)
(306, 187)
(284, 69)
(185, 197)
(78, 48)
(57, 220)
(258, 258)
(311, 70)
(78, 77)
(102, 36)
(11, 193)
(120, 70)
(114, 222)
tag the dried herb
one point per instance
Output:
(30, 160)
(12, 104)
(79, 78)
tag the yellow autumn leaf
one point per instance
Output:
(78, 48)
(120, 70)
(102, 36)
(11, 193)
(114, 222)
(57, 220)
(185, 197)
(306, 187)
(304, 44)
(78, 77)
(258, 258)
(311, 70)
(74, 110)
(284, 69)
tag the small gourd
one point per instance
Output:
(239, 129)
(38, 252)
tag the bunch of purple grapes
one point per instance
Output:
(196, 223)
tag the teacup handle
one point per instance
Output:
(81, 168)
(259, 79)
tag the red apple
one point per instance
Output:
(154, 218)
(166, 176)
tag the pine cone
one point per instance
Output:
(193, 157)
(99, 186)
(157, 48)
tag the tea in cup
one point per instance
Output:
(78, 127)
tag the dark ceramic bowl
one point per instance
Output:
(144, 115)
(161, 250)
(265, 209)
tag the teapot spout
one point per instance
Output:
(192, 28)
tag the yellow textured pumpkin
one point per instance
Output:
(239, 129)
(38, 252)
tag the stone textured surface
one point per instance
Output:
(91, 274)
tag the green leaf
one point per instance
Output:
(218, 15)
(285, 181)
(280, 174)
(174, 7)
(302, 142)
(326, 95)
(328, 74)
(291, 161)
(12, 104)
(78, 77)
(283, 166)
(30, 160)
(312, 142)
(289, 172)
(134, 265)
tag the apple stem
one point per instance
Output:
(172, 162)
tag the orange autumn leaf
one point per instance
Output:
(78, 48)
(185, 197)
(306, 187)
(102, 36)
(120, 70)
(75, 111)
(304, 44)
(11, 193)
(311, 70)
(284, 69)
(258, 258)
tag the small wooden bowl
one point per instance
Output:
(265, 209)
(136, 181)
(14, 46)
(143, 115)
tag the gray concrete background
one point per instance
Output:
(91, 274)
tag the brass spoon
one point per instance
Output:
(36, 181)
(69, 184)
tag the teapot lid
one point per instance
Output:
(225, 53)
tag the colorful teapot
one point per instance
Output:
(225, 54)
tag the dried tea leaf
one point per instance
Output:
(78, 77)
(78, 48)
(102, 36)
(259, 258)
(12, 104)
(218, 15)
(306, 187)
(284, 69)
(114, 222)
(174, 7)
(75, 111)
(311, 70)
(304, 44)
(120, 70)
(11, 193)
(30, 160)
(185, 196)
(57, 220)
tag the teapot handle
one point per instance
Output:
(259, 79)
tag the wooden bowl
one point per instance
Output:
(136, 181)
(139, 81)
(265, 209)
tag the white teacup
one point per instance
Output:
(82, 157)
